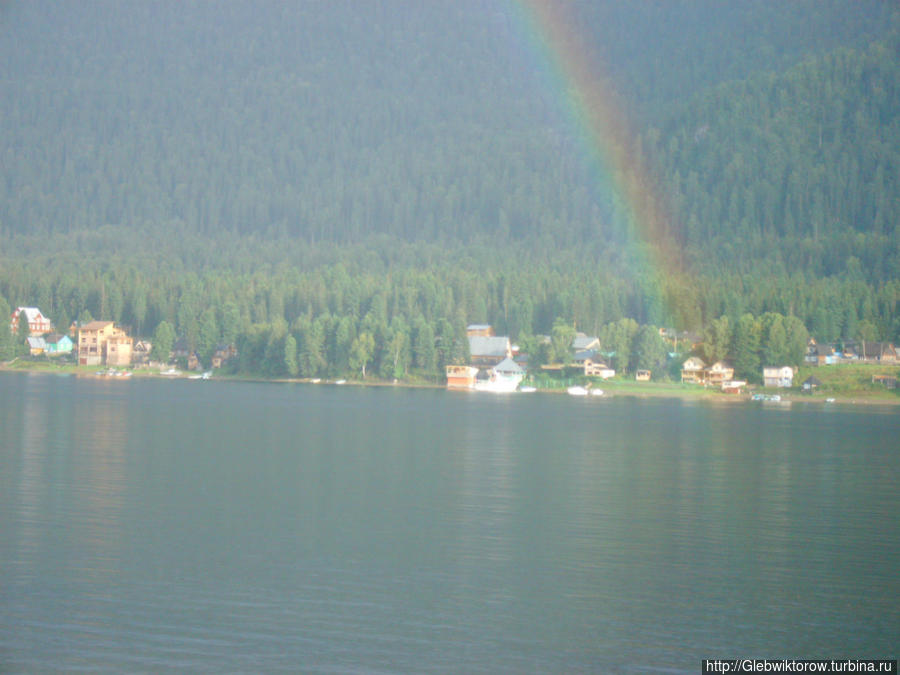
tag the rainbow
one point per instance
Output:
(600, 117)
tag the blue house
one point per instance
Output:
(58, 344)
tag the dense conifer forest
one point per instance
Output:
(339, 188)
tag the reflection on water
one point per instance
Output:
(230, 526)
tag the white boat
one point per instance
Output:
(829, 400)
(596, 392)
(577, 391)
(340, 381)
(527, 390)
(171, 372)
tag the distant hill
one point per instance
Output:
(432, 121)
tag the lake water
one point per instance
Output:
(153, 525)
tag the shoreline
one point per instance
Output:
(611, 388)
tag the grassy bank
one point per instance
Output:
(846, 383)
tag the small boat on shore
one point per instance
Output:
(577, 391)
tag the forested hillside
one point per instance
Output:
(313, 173)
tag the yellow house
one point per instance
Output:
(101, 342)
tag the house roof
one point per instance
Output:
(870, 349)
(584, 342)
(95, 325)
(53, 338)
(488, 346)
(37, 343)
(693, 363)
(32, 313)
(478, 326)
(509, 366)
(585, 354)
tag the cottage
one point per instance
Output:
(718, 373)
(222, 354)
(598, 369)
(38, 324)
(782, 377)
(59, 344)
(642, 376)
(36, 345)
(693, 370)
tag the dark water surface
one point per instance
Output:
(179, 525)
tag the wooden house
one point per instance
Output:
(718, 373)
(693, 370)
(878, 352)
(59, 344)
(38, 324)
(642, 376)
(36, 345)
(222, 354)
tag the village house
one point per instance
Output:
(642, 376)
(38, 324)
(101, 342)
(489, 351)
(693, 370)
(718, 373)
(222, 354)
(598, 369)
(140, 354)
(59, 344)
(878, 352)
(36, 345)
(781, 377)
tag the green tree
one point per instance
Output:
(423, 347)
(22, 334)
(208, 335)
(717, 340)
(774, 340)
(163, 339)
(745, 348)
(649, 351)
(361, 352)
(561, 337)
(7, 346)
(290, 355)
